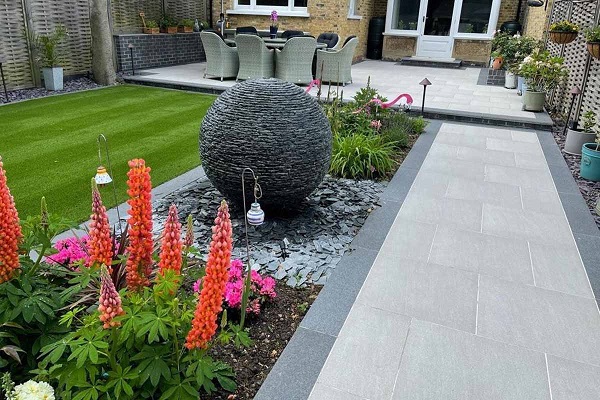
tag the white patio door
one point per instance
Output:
(437, 28)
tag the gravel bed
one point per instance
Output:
(589, 190)
(297, 250)
(70, 85)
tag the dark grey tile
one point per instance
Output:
(330, 309)
(589, 248)
(563, 180)
(579, 215)
(298, 367)
(550, 149)
(373, 232)
(400, 185)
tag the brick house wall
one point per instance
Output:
(535, 20)
(325, 16)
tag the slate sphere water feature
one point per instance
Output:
(276, 129)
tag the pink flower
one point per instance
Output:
(261, 288)
(70, 251)
(197, 286)
(376, 124)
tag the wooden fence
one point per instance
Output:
(584, 70)
(21, 19)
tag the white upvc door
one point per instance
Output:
(437, 26)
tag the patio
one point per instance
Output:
(453, 91)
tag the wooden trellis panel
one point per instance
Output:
(13, 45)
(187, 9)
(583, 69)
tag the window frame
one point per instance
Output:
(352, 14)
(254, 9)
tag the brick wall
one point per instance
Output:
(535, 20)
(325, 16)
(508, 11)
(474, 51)
(158, 50)
(397, 47)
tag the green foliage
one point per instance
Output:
(592, 35)
(150, 23)
(399, 126)
(543, 72)
(187, 23)
(589, 121)
(46, 47)
(167, 21)
(564, 26)
(143, 358)
(32, 303)
(361, 156)
(516, 48)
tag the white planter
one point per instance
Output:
(510, 80)
(575, 141)
(53, 78)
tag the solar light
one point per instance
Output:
(425, 82)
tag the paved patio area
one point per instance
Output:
(452, 90)
(479, 290)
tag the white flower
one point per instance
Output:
(32, 390)
(528, 59)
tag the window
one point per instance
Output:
(406, 15)
(353, 9)
(264, 7)
(475, 16)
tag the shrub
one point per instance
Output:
(188, 23)
(592, 35)
(361, 156)
(542, 72)
(564, 26)
(399, 126)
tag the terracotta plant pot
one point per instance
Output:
(497, 64)
(594, 49)
(170, 29)
(185, 29)
(151, 31)
(563, 37)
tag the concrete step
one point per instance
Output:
(431, 62)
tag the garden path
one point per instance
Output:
(479, 290)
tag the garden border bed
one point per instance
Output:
(298, 367)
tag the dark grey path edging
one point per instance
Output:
(297, 369)
(585, 230)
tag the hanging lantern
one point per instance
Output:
(256, 216)
(102, 177)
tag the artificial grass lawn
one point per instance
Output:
(49, 145)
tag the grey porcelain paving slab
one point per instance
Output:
(456, 168)
(559, 267)
(462, 139)
(366, 355)
(531, 161)
(443, 150)
(524, 136)
(545, 202)
(528, 178)
(508, 196)
(487, 156)
(571, 380)
(530, 225)
(440, 363)
(506, 258)
(514, 147)
(430, 184)
(409, 239)
(324, 392)
(461, 213)
(430, 292)
(553, 322)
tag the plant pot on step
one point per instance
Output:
(562, 37)
(594, 49)
(185, 29)
(497, 63)
(576, 139)
(273, 31)
(510, 80)
(534, 101)
(53, 78)
(520, 85)
(590, 162)
(170, 29)
(151, 31)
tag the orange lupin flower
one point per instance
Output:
(100, 244)
(139, 263)
(10, 231)
(171, 246)
(204, 324)
(110, 301)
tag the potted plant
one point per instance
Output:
(274, 26)
(497, 60)
(185, 26)
(563, 32)
(592, 37)
(167, 24)
(590, 160)
(576, 138)
(498, 43)
(514, 50)
(47, 55)
(151, 27)
(542, 73)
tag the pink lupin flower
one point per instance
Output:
(170, 250)
(110, 301)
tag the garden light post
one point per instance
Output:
(130, 47)
(103, 177)
(4, 81)
(425, 82)
(255, 217)
(574, 93)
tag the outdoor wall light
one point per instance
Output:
(130, 47)
(425, 82)
(535, 3)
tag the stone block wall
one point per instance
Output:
(158, 50)
(397, 47)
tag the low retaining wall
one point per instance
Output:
(496, 77)
(161, 50)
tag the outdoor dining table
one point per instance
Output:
(279, 43)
